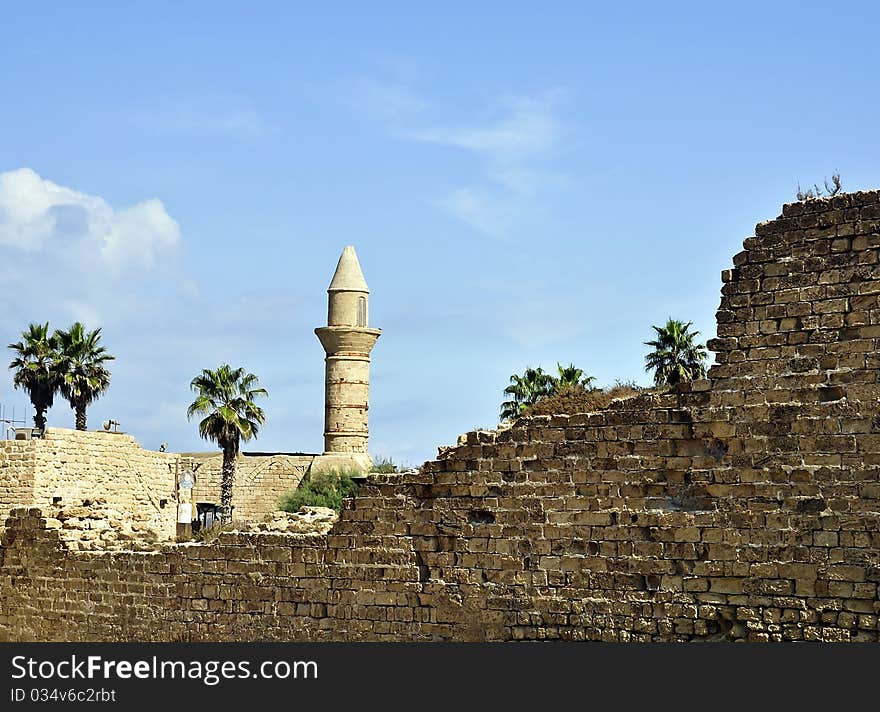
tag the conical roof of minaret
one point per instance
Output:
(348, 276)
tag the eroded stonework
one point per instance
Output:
(744, 506)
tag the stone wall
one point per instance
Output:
(82, 466)
(742, 507)
(261, 480)
(93, 525)
(136, 483)
(16, 473)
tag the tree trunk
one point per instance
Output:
(228, 478)
(80, 417)
(40, 419)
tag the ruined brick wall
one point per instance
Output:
(94, 525)
(81, 466)
(261, 480)
(745, 506)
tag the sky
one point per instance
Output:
(524, 183)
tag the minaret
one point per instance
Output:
(347, 340)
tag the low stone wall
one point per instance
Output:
(261, 480)
(94, 525)
(307, 520)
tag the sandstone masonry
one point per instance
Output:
(347, 339)
(67, 467)
(261, 480)
(742, 507)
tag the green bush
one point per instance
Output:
(327, 488)
(385, 466)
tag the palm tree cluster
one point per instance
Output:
(534, 384)
(70, 362)
(225, 397)
(676, 357)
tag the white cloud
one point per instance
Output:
(382, 100)
(503, 198)
(83, 311)
(139, 234)
(204, 115)
(66, 255)
(32, 210)
(491, 215)
(529, 129)
(38, 215)
(524, 182)
(512, 141)
(512, 148)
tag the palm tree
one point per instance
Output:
(676, 356)
(34, 366)
(226, 398)
(84, 377)
(525, 390)
(569, 377)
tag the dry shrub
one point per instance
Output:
(577, 399)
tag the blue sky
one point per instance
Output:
(522, 186)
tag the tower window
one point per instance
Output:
(362, 311)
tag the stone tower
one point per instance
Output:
(347, 340)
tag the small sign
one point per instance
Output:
(187, 480)
(184, 513)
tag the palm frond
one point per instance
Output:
(675, 355)
(225, 397)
